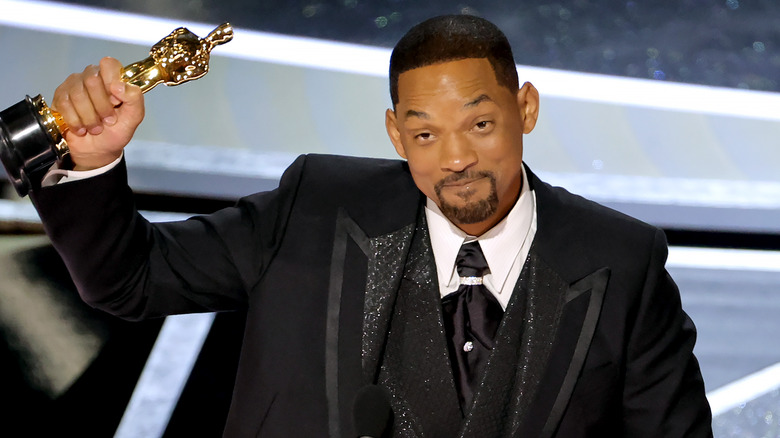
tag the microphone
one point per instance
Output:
(372, 412)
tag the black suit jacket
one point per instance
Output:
(317, 261)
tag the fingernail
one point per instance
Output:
(96, 130)
(110, 120)
(81, 132)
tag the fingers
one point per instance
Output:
(97, 110)
(62, 103)
(101, 112)
(85, 99)
(110, 70)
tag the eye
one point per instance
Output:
(424, 138)
(483, 125)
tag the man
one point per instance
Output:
(352, 271)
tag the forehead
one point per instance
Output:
(453, 80)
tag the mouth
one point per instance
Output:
(466, 189)
(463, 182)
(465, 185)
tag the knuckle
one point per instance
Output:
(93, 82)
(77, 93)
(61, 99)
(59, 95)
(73, 77)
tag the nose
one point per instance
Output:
(456, 154)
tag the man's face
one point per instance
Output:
(462, 135)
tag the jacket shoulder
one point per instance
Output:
(379, 194)
(580, 233)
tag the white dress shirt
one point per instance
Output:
(55, 175)
(505, 246)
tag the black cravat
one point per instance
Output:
(471, 318)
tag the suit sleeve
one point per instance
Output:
(129, 267)
(664, 392)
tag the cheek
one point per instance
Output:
(505, 158)
(425, 180)
(505, 148)
(502, 147)
(422, 162)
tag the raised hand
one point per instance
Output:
(101, 112)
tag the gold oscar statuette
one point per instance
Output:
(32, 134)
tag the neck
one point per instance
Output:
(480, 228)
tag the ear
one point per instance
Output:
(391, 124)
(528, 102)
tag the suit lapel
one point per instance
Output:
(415, 365)
(364, 276)
(350, 244)
(579, 314)
(560, 272)
(540, 349)
(578, 324)
(387, 257)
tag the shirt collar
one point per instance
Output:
(500, 244)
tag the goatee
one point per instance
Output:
(472, 212)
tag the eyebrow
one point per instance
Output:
(478, 100)
(418, 114)
(471, 104)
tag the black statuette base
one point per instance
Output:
(26, 150)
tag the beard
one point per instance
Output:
(473, 211)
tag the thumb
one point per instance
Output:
(131, 101)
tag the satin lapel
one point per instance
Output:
(364, 277)
(348, 268)
(579, 316)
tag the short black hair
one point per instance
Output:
(451, 38)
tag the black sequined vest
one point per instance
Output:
(416, 369)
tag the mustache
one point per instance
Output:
(466, 175)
